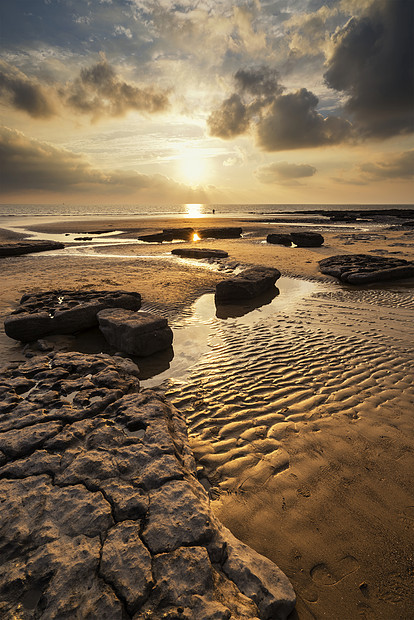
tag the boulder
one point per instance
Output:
(219, 233)
(307, 239)
(102, 513)
(246, 285)
(156, 237)
(366, 269)
(63, 312)
(185, 234)
(28, 247)
(279, 239)
(135, 333)
(300, 239)
(199, 253)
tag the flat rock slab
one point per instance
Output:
(300, 239)
(187, 234)
(246, 285)
(63, 312)
(102, 515)
(135, 333)
(229, 232)
(28, 247)
(366, 269)
(199, 253)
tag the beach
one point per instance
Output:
(299, 407)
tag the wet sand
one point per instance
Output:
(299, 410)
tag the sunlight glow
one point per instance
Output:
(196, 237)
(193, 210)
(192, 167)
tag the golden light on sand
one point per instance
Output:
(193, 210)
(196, 237)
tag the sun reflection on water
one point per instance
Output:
(194, 210)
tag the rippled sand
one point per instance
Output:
(300, 406)
(301, 416)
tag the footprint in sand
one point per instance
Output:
(325, 575)
(365, 611)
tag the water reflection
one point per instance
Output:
(194, 210)
(231, 311)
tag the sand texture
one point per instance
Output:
(299, 405)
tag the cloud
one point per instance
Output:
(24, 94)
(282, 172)
(28, 165)
(280, 121)
(395, 166)
(372, 62)
(97, 91)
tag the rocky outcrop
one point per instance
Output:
(28, 247)
(300, 239)
(187, 234)
(366, 269)
(135, 333)
(246, 285)
(228, 232)
(63, 312)
(102, 515)
(199, 253)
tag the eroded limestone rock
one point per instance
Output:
(246, 285)
(366, 269)
(102, 515)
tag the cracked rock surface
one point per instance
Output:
(101, 514)
(63, 312)
(366, 269)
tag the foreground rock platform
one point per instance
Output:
(63, 312)
(102, 515)
(366, 269)
(246, 285)
(135, 333)
(300, 239)
(199, 253)
(28, 247)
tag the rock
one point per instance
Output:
(102, 516)
(300, 239)
(199, 253)
(63, 312)
(136, 333)
(156, 237)
(28, 247)
(83, 238)
(307, 239)
(219, 233)
(246, 285)
(126, 564)
(366, 269)
(279, 239)
(185, 234)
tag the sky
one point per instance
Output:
(202, 101)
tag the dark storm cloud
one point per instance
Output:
(230, 119)
(373, 64)
(261, 81)
(23, 94)
(283, 171)
(281, 121)
(396, 166)
(292, 122)
(99, 91)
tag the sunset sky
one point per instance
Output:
(143, 101)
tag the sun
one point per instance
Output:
(192, 167)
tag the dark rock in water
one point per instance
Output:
(279, 239)
(28, 247)
(219, 233)
(366, 269)
(83, 238)
(135, 333)
(246, 285)
(185, 234)
(102, 512)
(63, 312)
(301, 239)
(199, 253)
(156, 237)
(307, 239)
